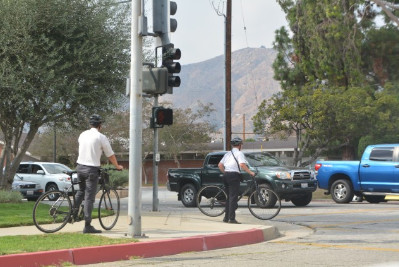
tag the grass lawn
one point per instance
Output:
(44, 242)
(20, 214)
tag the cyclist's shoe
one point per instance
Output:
(234, 221)
(225, 220)
(91, 230)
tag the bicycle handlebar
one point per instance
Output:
(109, 169)
(101, 169)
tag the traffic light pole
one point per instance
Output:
(135, 130)
(228, 76)
(155, 200)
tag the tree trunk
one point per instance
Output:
(12, 164)
(176, 160)
(348, 153)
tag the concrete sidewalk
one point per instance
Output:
(163, 233)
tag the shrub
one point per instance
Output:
(118, 179)
(10, 196)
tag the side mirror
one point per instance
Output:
(40, 172)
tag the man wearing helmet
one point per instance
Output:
(231, 165)
(92, 144)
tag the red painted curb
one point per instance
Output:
(146, 249)
(141, 249)
(233, 239)
(35, 259)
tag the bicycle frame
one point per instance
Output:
(263, 202)
(252, 186)
(102, 188)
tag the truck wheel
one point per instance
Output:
(374, 199)
(188, 195)
(271, 199)
(302, 200)
(341, 191)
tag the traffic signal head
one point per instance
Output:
(161, 116)
(169, 54)
(162, 24)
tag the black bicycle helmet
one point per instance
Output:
(95, 120)
(236, 141)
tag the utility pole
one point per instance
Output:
(228, 76)
(227, 73)
(243, 127)
(135, 130)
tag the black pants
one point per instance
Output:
(88, 181)
(231, 181)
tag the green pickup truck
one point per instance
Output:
(290, 183)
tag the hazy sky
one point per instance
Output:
(200, 31)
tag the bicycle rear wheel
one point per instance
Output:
(51, 216)
(211, 200)
(264, 203)
(108, 209)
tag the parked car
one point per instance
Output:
(290, 183)
(49, 175)
(29, 190)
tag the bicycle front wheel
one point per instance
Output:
(50, 216)
(108, 209)
(264, 203)
(211, 200)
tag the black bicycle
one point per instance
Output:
(263, 202)
(54, 209)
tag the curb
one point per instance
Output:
(109, 253)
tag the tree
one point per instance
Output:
(59, 62)
(190, 130)
(330, 77)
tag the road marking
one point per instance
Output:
(349, 223)
(382, 210)
(336, 246)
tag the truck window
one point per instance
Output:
(214, 161)
(382, 154)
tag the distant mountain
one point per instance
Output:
(252, 82)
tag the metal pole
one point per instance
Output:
(243, 127)
(55, 144)
(135, 131)
(155, 200)
(225, 88)
(228, 75)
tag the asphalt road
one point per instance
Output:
(322, 234)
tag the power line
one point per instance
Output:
(246, 40)
(243, 21)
